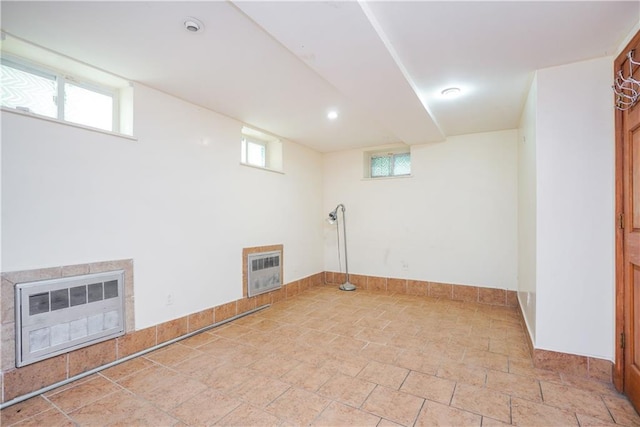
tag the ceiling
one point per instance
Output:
(281, 66)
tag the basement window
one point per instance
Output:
(46, 85)
(387, 163)
(260, 150)
(37, 90)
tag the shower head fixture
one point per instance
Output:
(333, 216)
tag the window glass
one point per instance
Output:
(380, 166)
(88, 107)
(402, 164)
(256, 154)
(29, 91)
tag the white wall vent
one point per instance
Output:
(59, 315)
(265, 272)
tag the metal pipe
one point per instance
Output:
(333, 217)
(346, 257)
(124, 359)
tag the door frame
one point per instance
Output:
(618, 367)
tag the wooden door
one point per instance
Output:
(627, 374)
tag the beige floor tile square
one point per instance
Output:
(486, 359)
(124, 369)
(347, 390)
(407, 342)
(490, 422)
(49, 418)
(232, 331)
(345, 364)
(460, 372)
(223, 349)
(524, 366)
(530, 414)
(622, 410)
(83, 393)
(372, 323)
(515, 385)
(172, 355)
(23, 410)
(375, 335)
(306, 376)
(205, 408)
(346, 328)
(317, 338)
(436, 414)
(172, 394)
(482, 401)
(397, 406)
(223, 379)
(247, 415)
(429, 387)
(417, 361)
(444, 351)
(299, 407)
(588, 384)
(337, 414)
(575, 400)
(387, 423)
(259, 391)
(346, 344)
(121, 408)
(509, 348)
(198, 340)
(587, 421)
(149, 379)
(384, 374)
(380, 352)
(311, 355)
(273, 366)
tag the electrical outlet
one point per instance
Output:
(169, 299)
(405, 265)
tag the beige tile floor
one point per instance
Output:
(335, 358)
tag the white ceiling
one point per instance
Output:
(281, 66)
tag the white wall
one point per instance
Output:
(181, 209)
(454, 221)
(575, 209)
(527, 210)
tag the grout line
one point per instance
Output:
(455, 387)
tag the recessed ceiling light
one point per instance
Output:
(450, 92)
(332, 115)
(193, 25)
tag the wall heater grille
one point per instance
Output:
(265, 272)
(59, 315)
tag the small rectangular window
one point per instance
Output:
(260, 150)
(34, 89)
(387, 163)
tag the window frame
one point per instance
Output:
(61, 79)
(391, 154)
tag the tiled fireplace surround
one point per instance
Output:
(17, 382)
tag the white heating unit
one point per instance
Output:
(264, 272)
(58, 315)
